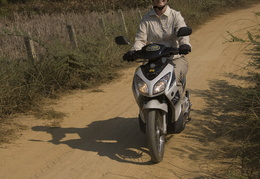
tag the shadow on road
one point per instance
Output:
(117, 138)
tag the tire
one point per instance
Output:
(156, 138)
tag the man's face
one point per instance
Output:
(160, 3)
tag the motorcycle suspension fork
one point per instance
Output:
(164, 123)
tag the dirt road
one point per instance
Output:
(100, 138)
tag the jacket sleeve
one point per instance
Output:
(179, 22)
(141, 36)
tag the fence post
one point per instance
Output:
(72, 36)
(123, 21)
(102, 23)
(30, 49)
(140, 14)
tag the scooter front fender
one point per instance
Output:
(155, 104)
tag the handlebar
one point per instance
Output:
(141, 54)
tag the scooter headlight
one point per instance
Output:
(161, 84)
(142, 86)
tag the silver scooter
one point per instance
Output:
(164, 105)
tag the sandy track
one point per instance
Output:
(100, 138)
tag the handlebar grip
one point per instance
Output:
(130, 56)
(184, 52)
(184, 49)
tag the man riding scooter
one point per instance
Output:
(160, 25)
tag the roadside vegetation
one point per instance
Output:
(244, 130)
(59, 66)
(234, 110)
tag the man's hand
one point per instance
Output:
(184, 49)
(129, 56)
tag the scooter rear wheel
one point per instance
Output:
(156, 138)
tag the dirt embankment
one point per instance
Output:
(100, 138)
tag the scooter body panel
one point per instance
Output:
(169, 100)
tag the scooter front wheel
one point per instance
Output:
(156, 138)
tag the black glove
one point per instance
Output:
(129, 56)
(184, 49)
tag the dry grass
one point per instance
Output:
(235, 110)
(59, 66)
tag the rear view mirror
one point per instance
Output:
(184, 31)
(121, 40)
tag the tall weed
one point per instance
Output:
(245, 131)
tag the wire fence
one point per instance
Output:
(29, 36)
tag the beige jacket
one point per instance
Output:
(160, 29)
